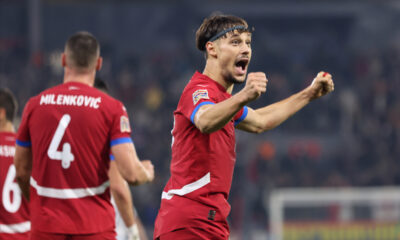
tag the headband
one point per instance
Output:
(223, 32)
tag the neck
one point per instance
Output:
(212, 71)
(71, 75)
(6, 126)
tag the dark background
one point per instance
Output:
(349, 138)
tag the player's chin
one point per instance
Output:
(237, 79)
(240, 77)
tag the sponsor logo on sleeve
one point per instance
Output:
(200, 94)
(125, 127)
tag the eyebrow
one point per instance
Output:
(233, 35)
(236, 34)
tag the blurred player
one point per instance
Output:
(194, 202)
(62, 155)
(128, 224)
(14, 212)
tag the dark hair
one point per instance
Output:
(215, 24)
(100, 84)
(82, 49)
(9, 103)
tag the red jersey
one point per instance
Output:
(71, 128)
(14, 212)
(201, 166)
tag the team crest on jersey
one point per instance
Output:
(200, 94)
(125, 127)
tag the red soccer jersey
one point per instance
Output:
(70, 129)
(201, 166)
(14, 214)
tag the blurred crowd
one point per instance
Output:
(351, 138)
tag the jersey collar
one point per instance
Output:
(198, 75)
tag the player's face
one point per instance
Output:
(234, 54)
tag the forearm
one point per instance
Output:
(138, 176)
(24, 185)
(273, 115)
(211, 118)
(123, 200)
(23, 167)
(133, 172)
(129, 165)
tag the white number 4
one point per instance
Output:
(65, 155)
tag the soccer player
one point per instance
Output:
(14, 212)
(128, 224)
(62, 155)
(194, 201)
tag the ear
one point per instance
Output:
(99, 63)
(63, 60)
(2, 113)
(211, 49)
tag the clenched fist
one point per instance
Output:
(256, 84)
(149, 169)
(321, 85)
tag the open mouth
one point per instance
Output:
(241, 65)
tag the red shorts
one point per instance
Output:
(37, 235)
(191, 234)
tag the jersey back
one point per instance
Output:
(14, 212)
(70, 129)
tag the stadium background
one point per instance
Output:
(350, 138)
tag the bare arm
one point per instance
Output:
(210, 118)
(135, 172)
(266, 118)
(23, 167)
(123, 199)
(121, 194)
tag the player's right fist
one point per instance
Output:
(256, 84)
(149, 167)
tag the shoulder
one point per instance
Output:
(200, 86)
(50, 90)
(109, 101)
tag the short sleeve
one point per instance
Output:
(241, 115)
(195, 97)
(121, 129)
(23, 135)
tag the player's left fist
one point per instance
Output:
(321, 85)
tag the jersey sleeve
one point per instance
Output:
(195, 97)
(121, 129)
(23, 135)
(241, 115)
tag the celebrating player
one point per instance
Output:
(14, 212)
(128, 224)
(194, 201)
(62, 155)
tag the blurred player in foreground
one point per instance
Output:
(14, 212)
(194, 202)
(128, 224)
(62, 155)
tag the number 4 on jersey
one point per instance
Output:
(65, 155)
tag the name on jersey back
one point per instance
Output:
(70, 100)
(7, 151)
